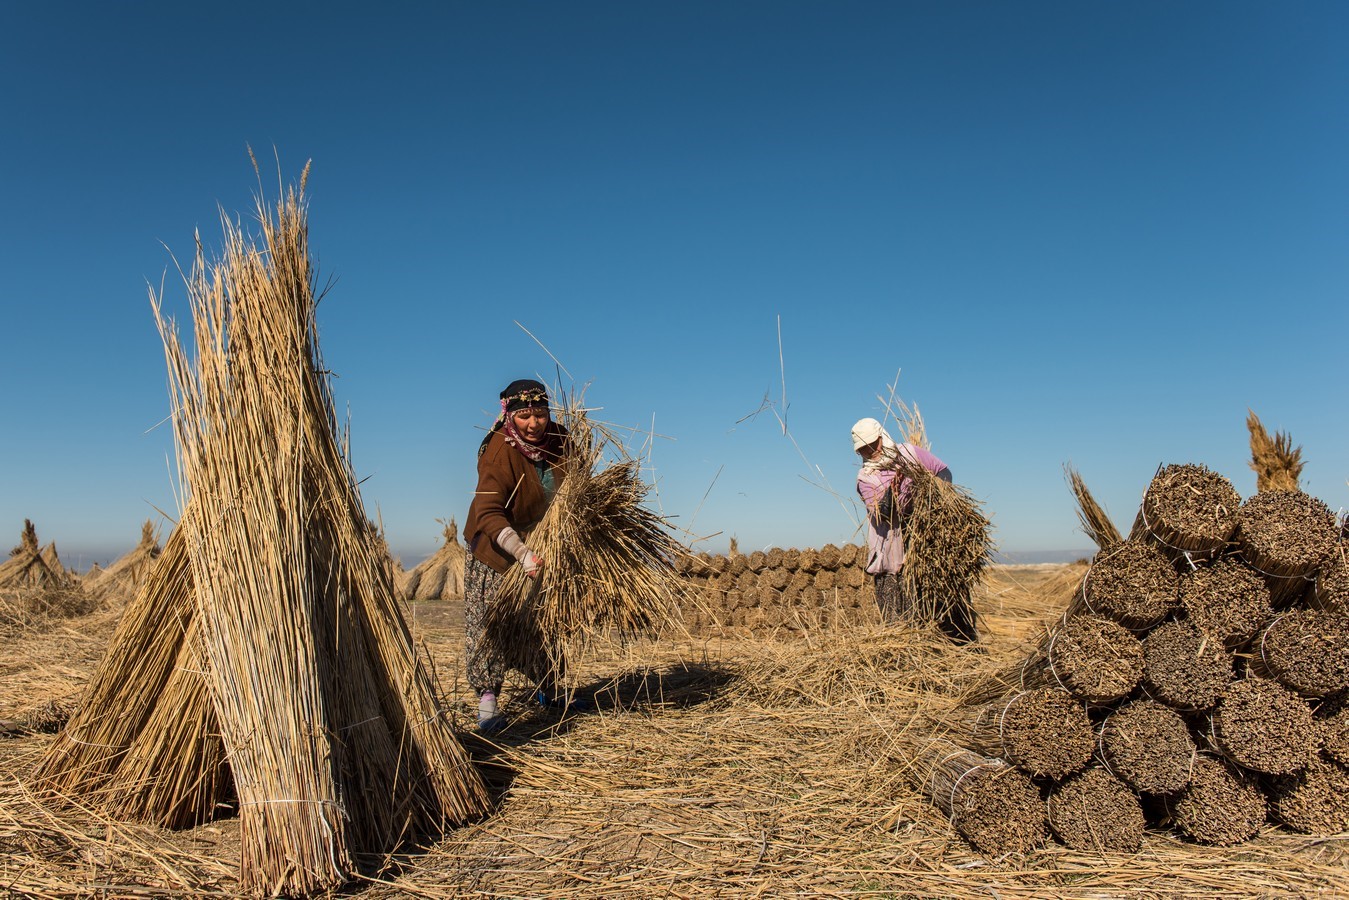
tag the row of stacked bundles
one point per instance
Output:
(1197, 680)
(777, 589)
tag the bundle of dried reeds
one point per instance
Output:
(1306, 650)
(1261, 725)
(441, 575)
(608, 561)
(30, 567)
(1331, 590)
(1288, 536)
(1220, 806)
(1227, 600)
(1132, 583)
(947, 544)
(337, 745)
(995, 807)
(1093, 658)
(1148, 746)
(1315, 800)
(1094, 810)
(127, 572)
(1044, 732)
(1183, 667)
(1276, 462)
(1332, 720)
(1189, 511)
(1095, 523)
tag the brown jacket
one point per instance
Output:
(509, 494)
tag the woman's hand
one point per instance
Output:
(509, 541)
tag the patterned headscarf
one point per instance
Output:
(525, 393)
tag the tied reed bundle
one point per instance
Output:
(1261, 725)
(1306, 650)
(1288, 536)
(1276, 462)
(441, 575)
(608, 561)
(1188, 511)
(1093, 658)
(947, 544)
(1045, 732)
(1227, 601)
(1315, 800)
(336, 744)
(1183, 667)
(1331, 590)
(1332, 719)
(1095, 523)
(1148, 746)
(1094, 810)
(1132, 583)
(993, 806)
(1221, 806)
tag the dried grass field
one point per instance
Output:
(711, 766)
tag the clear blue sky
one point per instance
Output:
(1081, 232)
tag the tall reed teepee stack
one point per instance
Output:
(265, 662)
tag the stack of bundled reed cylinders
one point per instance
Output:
(777, 590)
(1198, 681)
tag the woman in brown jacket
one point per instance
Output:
(518, 474)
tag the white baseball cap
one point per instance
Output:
(866, 431)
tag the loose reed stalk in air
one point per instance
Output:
(609, 562)
(1095, 522)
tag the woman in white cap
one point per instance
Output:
(888, 495)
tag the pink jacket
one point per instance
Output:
(885, 541)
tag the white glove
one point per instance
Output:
(509, 541)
